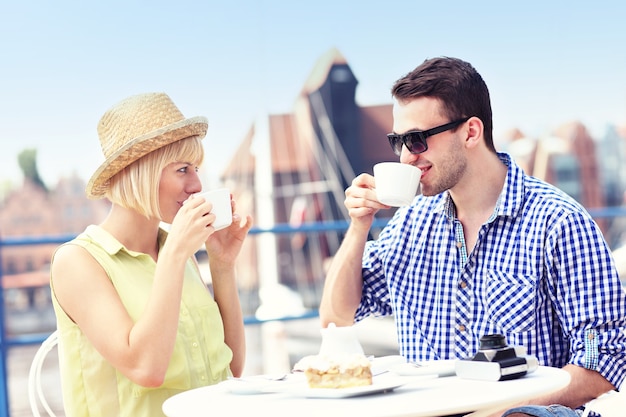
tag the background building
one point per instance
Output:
(294, 168)
(32, 211)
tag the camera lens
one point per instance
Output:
(492, 341)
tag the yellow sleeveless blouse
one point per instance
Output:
(91, 386)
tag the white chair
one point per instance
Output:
(36, 395)
(611, 404)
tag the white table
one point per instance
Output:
(417, 398)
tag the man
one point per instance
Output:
(485, 249)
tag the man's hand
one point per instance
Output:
(361, 200)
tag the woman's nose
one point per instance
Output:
(194, 185)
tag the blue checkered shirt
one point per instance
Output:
(540, 273)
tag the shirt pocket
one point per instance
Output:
(511, 302)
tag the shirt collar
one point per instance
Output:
(111, 245)
(512, 196)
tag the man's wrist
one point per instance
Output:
(540, 411)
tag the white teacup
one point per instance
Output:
(396, 183)
(220, 198)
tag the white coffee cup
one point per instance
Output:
(396, 183)
(220, 198)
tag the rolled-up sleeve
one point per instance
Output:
(589, 298)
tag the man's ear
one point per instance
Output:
(474, 128)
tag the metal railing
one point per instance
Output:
(37, 338)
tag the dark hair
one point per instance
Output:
(456, 83)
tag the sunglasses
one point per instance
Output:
(415, 140)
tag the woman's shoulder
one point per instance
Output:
(76, 253)
(72, 255)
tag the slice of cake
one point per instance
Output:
(341, 371)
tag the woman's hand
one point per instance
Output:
(191, 226)
(224, 246)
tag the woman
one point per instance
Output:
(136, 322)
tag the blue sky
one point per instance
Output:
(65, 62)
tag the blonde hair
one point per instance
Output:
(137, 185)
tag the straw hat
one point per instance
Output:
(135, 127)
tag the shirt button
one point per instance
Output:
(461, 328)
(459, 245)
(194, 344)
(463, 284)
(591, 336)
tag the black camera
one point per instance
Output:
(496, 361)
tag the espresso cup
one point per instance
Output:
(220, 198)
(396, 183)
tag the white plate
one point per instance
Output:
(440, 368)
(259, 384)
(382, 364)
(245, 387)
(379, 385)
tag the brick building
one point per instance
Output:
(293, 169)
(33, 212)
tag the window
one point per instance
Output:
(566, 171)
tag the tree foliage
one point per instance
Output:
(27, 159)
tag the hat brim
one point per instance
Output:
(141, 146)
